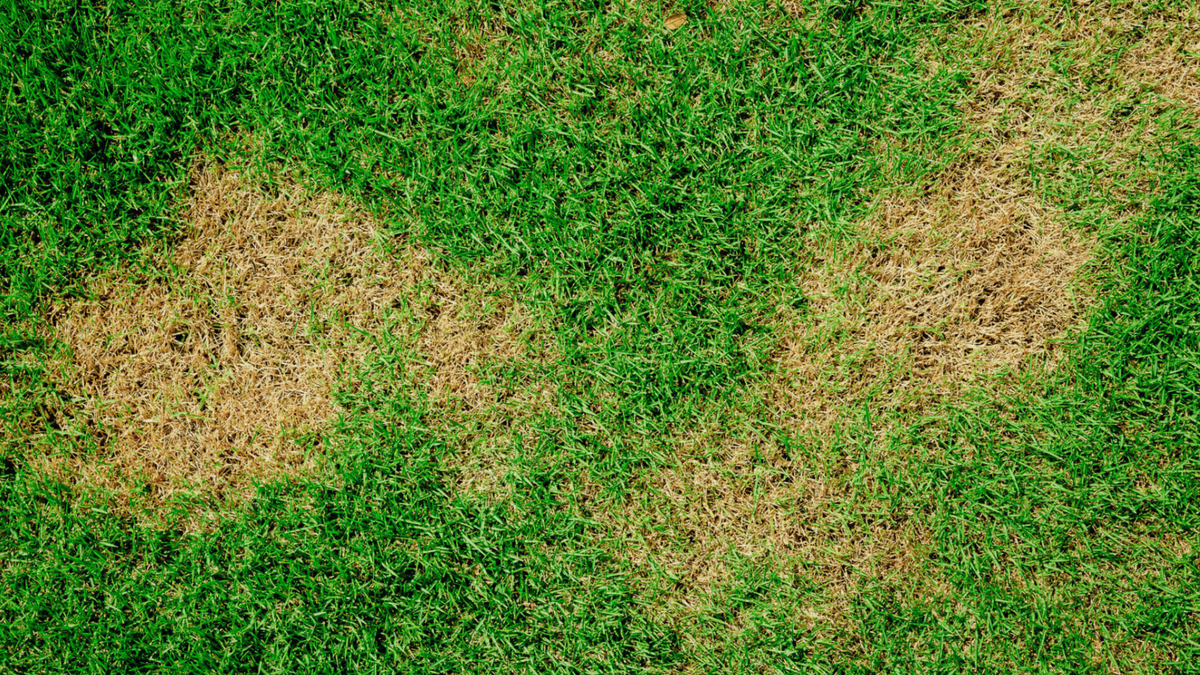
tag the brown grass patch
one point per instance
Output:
(485, 362)
(978, 274)
(973, 278)
(967, 282)
(749, 500)
(466, 334)
(1166, 58)
(725, 506)
(474, 46)
(214, 365)
(221, 372)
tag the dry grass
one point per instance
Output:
(727, 500)
(1167, 57)
(969, 281)
(474, 45)
(216, 368)
(220, 372)
(726, 508)
(974, 278)
(484, 362)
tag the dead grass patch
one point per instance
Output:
(1166, 58)
(973, 280)
(979, 274)
(474, 46)
(967, 282)
(485, 362)
(725, 506)
(212, 365)
(215, 368)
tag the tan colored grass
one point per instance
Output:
(220, 373)
(470, 343)
(474, 45)
(731, 497)
(216, 368)
(750, 499)
(973, 278)
(968, 281)
(461, 336)
(1167, 58)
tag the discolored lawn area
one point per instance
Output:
(566, 336)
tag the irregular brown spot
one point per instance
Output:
(730, 502)
(213, 364)
(1167, 58)
(974, 277)
(976, 274)
(463, 335)
(487, 365)
(474, 44)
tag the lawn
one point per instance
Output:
(540, 336)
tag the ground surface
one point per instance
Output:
(600, 337)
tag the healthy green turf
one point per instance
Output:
(653, 195)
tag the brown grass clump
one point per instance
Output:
(216, 367)
(463, 334)
(744, 503)
(747, 499)
(975, 277)
(474, 45)
(1165, 55)
(220, 372)
(978, 274)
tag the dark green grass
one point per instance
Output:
(389, 572)
(656, 209)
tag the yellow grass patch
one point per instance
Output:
(220, 371)
(215, 365)
(1167, 59)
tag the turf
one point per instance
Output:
(655, 197)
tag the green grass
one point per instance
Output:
(654, 197)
